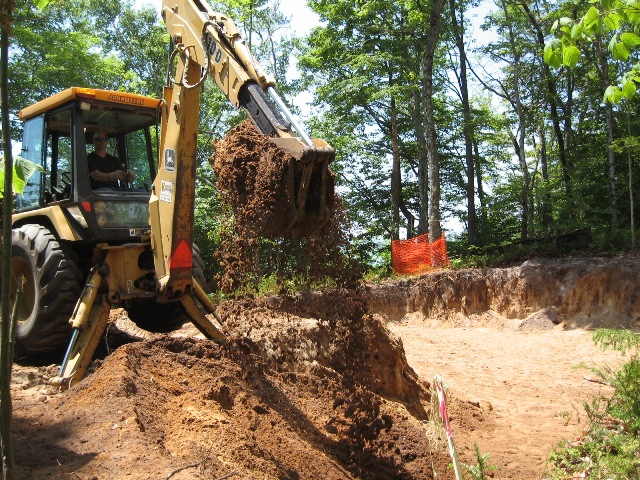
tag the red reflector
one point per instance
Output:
(86, 206)
(181, 257)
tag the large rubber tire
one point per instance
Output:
(165, 317)
(51, 287)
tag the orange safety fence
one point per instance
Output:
(417, 255)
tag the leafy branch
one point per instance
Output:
(23, 169)
(621, 20)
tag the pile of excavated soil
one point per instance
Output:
(290, 396)
(313, 385)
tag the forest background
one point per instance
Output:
(431, 127)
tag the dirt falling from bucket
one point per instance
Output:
(254, 187)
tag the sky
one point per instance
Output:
(302, 18)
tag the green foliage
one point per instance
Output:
(621, 340)
(624, 405)
(359, 67)
(611, 445)
(616, 20)
(22, 171)
(277, 284)
(603, 454)
(92, 43)
(481, 470)
(42, 4)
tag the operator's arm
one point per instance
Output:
(106, 169)
(108, 176)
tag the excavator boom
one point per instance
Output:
(208, 44)
(212, 41)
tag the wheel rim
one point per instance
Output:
(21, 271)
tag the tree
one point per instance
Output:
(613, 22)
(6, 324)
(370, 64)
(431, 43)
(512, 49)
(100, 44)
(552, 97)
(456, 12)
(6, 330)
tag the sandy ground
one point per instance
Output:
(528, 383)
(528, 388)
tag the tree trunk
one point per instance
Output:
(435, 16)
(479, 185)
(553, 102)
(518, 146)
(457, 27)
(423, 167)
(608, 115)
(6, 357)
(519, 143)
(395, 184)
(395, 142)
(546, 198)
(631, 203)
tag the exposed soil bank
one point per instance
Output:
(579, 292)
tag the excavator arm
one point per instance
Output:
(212, 41)
(208, 44)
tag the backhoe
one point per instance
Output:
(77, 252)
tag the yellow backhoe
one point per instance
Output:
(78, 251)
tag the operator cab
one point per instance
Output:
(58, 136)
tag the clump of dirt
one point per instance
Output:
(292, 395)
(259, 184)
(252, 175)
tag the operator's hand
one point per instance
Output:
(131, 176)
(118, 175)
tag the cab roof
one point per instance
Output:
(88, 94)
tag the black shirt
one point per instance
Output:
(107, 164)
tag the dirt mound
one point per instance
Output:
(290, 396)
(313, 385)
(328, 330)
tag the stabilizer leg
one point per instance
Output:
(196, 315)
(89, 322)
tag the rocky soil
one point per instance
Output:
(336, 384)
